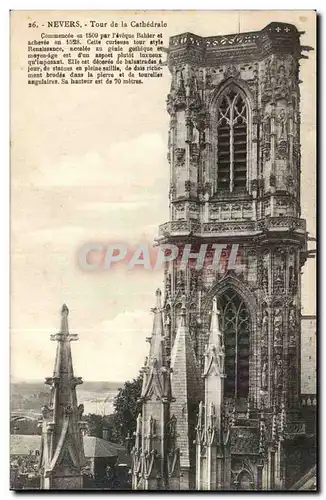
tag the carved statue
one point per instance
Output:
(292, 320)
(265, 279)
(45, 411)
(278, 371)
(151, 427)
(279, 282)
(277, 317)
(282, 119)
(265, 324)
(193, 282)
(264, 375)
(267, 74)
(278, 325)
(80, 411)
(195, 135)
(292, 279)
(180, 156)
(282, 81)
(171, 427)
(181, 283)
(266, 127)
(168, 284)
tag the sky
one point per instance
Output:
(89, 164)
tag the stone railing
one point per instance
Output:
(308, 400)
(229, 227)
(273, 29)
(238, 39)
(190, 227)
(295, 428)
(284, 222)
(189, 39)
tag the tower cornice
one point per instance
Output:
(275, 38)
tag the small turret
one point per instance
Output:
(62, 452)
(209, 466)
(150, 460)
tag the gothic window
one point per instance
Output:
(235, 322)
(232, 135)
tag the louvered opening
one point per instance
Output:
(223, 151)
(232, 142)
(236, 329)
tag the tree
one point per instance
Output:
(126, 408)
(94, 424)
(122, 423)
(97, 423)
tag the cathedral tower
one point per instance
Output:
(62, 452)
(232, 298)
(234, 154)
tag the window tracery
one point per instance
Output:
(235, 321)
(232, 139)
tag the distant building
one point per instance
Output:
(99, 455)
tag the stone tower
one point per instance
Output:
(234, 290)
(62, 452)
(234, 153)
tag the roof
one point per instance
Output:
(94, 447)
(21, 444)
(98, 447)
(307, 482)
(186, 388)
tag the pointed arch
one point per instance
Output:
(231, 281)
(238, 306)
(245, 480)
(231, 111)
(238, 85)
(235, 325)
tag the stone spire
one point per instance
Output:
(209, 471)
(186, 387)
(215, 353)
(155, 371)
(150, 453)
(62, 453)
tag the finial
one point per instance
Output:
(183, 305)
(158, 294)
(233, 417)
(64, 310)
(215, 308)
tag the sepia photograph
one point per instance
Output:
(163, 329)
